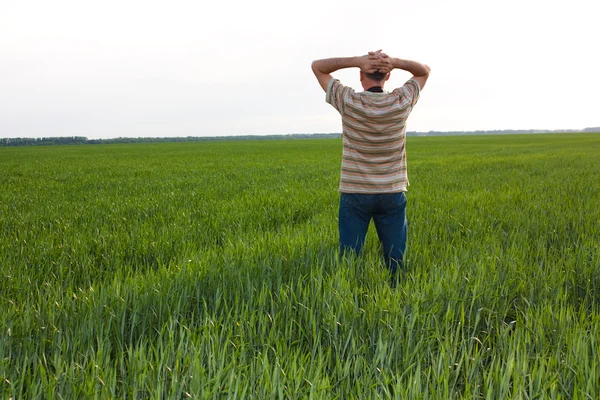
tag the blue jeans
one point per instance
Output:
(388, 211)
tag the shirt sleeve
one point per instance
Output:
(410, 91)
(336, 94)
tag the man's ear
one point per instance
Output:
(387, 76)
(361, 76)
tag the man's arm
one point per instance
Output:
(367, 63)
(420, 71)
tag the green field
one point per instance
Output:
(210, 270)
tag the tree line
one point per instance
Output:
(44, 141)
(84, 140)
(70, 140)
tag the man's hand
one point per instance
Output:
(380, 61)
(375, 61)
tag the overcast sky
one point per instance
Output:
(134, 68)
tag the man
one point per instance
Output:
(373, 177)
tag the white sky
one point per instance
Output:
(115, 68)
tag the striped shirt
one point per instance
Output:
(374, 136)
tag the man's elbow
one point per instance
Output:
(426, 70)
(315, 66)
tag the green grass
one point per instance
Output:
(210, 270)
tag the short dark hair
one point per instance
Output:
(376, 76)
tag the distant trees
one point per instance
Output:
(83, 140)
(43, 141)
(497, 132)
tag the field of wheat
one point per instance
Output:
(211, 270)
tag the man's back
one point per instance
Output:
(374, 134)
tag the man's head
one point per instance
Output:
(370, 79)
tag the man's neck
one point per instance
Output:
(375, 89)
